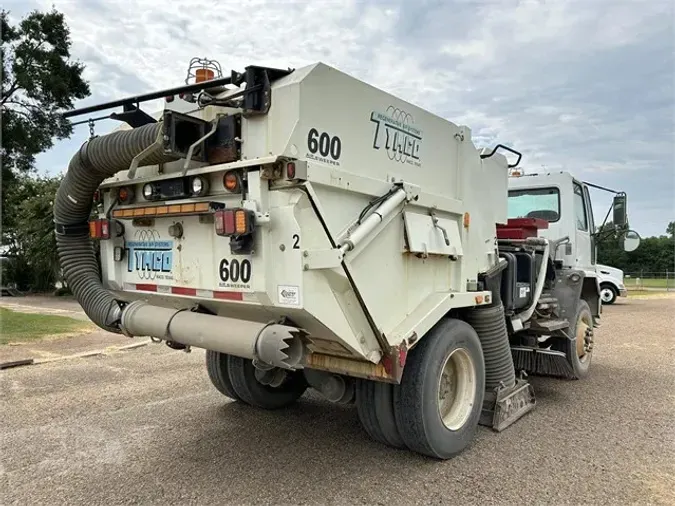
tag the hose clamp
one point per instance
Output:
(84, 156)
(78, 229)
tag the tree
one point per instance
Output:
(38, 80)
(33, 247)
(655, 254)
(670, 229)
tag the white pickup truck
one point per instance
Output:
(611, 283)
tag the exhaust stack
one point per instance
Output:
(270, 343)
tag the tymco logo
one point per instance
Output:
(149, 256)
(395, 131)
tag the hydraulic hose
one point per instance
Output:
(97, 160)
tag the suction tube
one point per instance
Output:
(97, 160)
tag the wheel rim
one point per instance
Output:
(584, 338)
(456, 389)
(606, 295)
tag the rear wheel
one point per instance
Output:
(285, 389)
(608, 294)
(439, 401)
(375, 406)
(216, 368)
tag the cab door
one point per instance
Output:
(584, 248)
(591, 225)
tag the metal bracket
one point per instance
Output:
(188, 158)
(143, 155)
(322, 259)
(411, 191)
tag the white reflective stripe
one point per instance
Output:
(203, 294)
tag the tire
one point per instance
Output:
(218, 371)
(375, 406)
(608, 294)
(251, 391)
(416, 400)
(581, 364)
(365, 407)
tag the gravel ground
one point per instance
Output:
(147, 427)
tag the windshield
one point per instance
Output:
(541, 203)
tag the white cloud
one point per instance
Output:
(582, 85)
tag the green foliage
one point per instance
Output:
(655, 254)
(32, 241)
(39, 79)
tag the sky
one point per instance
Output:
(586, 86)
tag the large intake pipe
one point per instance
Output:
(273, 344)
(97, 160)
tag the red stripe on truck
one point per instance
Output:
(228, 295)
(181, 290)
(146, 288)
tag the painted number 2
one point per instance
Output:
(296, 241)
(235, 271)
(324, 144)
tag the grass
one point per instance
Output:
(649, 283)
(16, 326)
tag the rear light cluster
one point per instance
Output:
(103, 229)
(234, 222)
(196, 186)
(99, 229)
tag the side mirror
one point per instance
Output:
(631, 241)
(620, 214)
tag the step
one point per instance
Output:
(549, 325)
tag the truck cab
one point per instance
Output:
(564, 203)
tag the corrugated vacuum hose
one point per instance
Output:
(506, 398)
(98, 159)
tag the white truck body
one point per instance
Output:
(310, 230)
(295, 270)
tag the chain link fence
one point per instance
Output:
(643, 280)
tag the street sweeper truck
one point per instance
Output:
(309, 230)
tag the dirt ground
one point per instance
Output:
(146, 426)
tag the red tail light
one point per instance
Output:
(125, 194)
(234, 222)
(99, 229)
(290, 170)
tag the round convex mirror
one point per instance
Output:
(631, 241)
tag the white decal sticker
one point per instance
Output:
(524, 290)
(289, 295)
